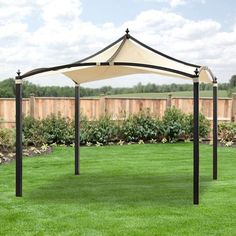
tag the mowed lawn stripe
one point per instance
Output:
(122, 190)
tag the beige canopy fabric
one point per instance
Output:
(127, 56)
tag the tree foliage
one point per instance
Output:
(232, 82)
(232, 85)
(7, 89)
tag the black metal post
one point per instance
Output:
(77, 129)
(196, 142)
(215, 135)
(18, 82)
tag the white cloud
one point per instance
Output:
(55, 10)
(175, 3)
(171, 3)
(12, 30)
(13, 11)
(62, 37)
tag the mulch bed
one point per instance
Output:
(220, 144)
(6, 156)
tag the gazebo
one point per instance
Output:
(125, 56)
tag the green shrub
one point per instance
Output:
(173, 121)
(227, 132)
(204, 126)
(173, 131)
(141, 126)
(103, 130)
(33, 132)
(58, 129)
(173, 114)
(180, 125)
(7, 139)
(53, 129)
(84, 127)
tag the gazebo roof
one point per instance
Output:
(127, 56)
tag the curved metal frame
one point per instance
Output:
(131, 64)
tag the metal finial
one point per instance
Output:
(18, 72)
(127, 33)
(215, 80)
(196, 71)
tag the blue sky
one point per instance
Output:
(44, 33)
(223, 11)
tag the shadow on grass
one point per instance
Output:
(171, 190)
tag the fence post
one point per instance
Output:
(102, 102)
(32, 105)
(169, 100)
(233, 115)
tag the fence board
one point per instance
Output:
(117, 108)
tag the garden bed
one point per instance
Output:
(6, 156)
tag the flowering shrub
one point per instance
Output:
(227, 133)
(7, 139)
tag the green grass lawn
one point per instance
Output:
(122, 190)
(221, 93)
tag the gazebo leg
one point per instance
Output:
(18, 82)
(196, 142)
(77, 129)
(215, 135)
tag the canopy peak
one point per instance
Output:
(127, 33)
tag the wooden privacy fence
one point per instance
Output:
(117, 108)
